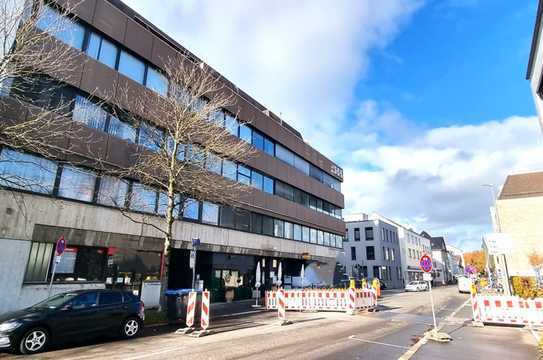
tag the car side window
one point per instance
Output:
(111, 298)
(84, 301)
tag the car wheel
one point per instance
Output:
(131, 327)
(34, 341)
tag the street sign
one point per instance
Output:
(425, 263)
(60, 246)
(195, 241)
(192, 259)
(427, 277)
(497, 243)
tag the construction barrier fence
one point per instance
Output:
(512, 310)
(323, 300)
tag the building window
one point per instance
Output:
(77, 184)
(229, 170)
(121, 129)
(269, 147)
(283, 154)
(81, 263)
(257, 180)
(26, 172)
(297, 232)
(356, 234)
(258, 140)
(256, 223)
(278, 228)
(376, 272)
(353, 253)
(64, 29)
(245, 133)
(143, 198)
(392, 256)
(242, 219)
(301, 165)
(231, 124)
(162, 206)
(368, 233)
(131, 67)
(112, 191)
(267, 226)
(156, 81)
(327, 239)
(214, 163)
(385, 253)
(89, 113)
(288, 230)
(210, 213)
(284, 190)
(244, 175)
(102, 50)
(38, 263)
(227, 218)
(268, 185)
(370, 253)
(313, 235)
(320, 237)
(150, 137)
(305, 234)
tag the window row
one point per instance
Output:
(389, 254)
(388, 235)
(370, 253)
(32, 173)
(291, 193)
(98, 47)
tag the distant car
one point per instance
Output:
(464, 284)
(416, 286)
(71, 314)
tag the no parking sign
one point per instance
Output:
(426, 263)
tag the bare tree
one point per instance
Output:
(185, 157)
(35, 49)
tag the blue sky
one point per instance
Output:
(462, 63)
(420, 101)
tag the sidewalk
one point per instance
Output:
(475, 343)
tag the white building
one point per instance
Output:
(372, 250)
(412, 247)
(456, 259)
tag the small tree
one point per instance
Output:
(183, 156)
(475, 260)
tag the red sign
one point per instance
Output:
(425, 263)
(61, 245)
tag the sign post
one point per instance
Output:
(60, 246)
(426, 266)
(192, 260)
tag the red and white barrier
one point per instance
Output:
(204, 318)
(513, 310)
(281, 305)
(191, 307)
(349, 300)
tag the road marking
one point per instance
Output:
(353, 337)
(413, 349)
(153, 353)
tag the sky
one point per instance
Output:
(420, 101)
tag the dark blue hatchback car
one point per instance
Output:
(63, 316)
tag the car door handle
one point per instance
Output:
(125, 307)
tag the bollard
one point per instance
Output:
(204, 318)
(351, 301)
(281, 308)
(191, 308)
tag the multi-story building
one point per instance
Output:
(412, 247)
(372, 250)
(456, 259)
(535, 64)
(292, 216)
(442, 270)
(517, 221)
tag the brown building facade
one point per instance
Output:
(292, 216)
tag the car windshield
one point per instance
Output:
(413, 283)
(55, 301)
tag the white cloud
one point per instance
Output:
(302, 59)
(433, 181)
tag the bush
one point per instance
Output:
(526, 287)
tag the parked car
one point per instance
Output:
(416, 286)
(464, 284)
(71, 314)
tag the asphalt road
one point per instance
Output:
(401, 322)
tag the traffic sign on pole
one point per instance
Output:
(60, 245)
(426, 263)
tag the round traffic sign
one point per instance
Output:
(61, 246)
(425, 263)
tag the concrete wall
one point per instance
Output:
(521, 219)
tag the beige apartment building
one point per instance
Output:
(519, 214)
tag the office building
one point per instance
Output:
(292, 217)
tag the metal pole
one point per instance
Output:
(194, 272)
(432, 302)
(52, 277)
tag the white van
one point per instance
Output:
(464, 284)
